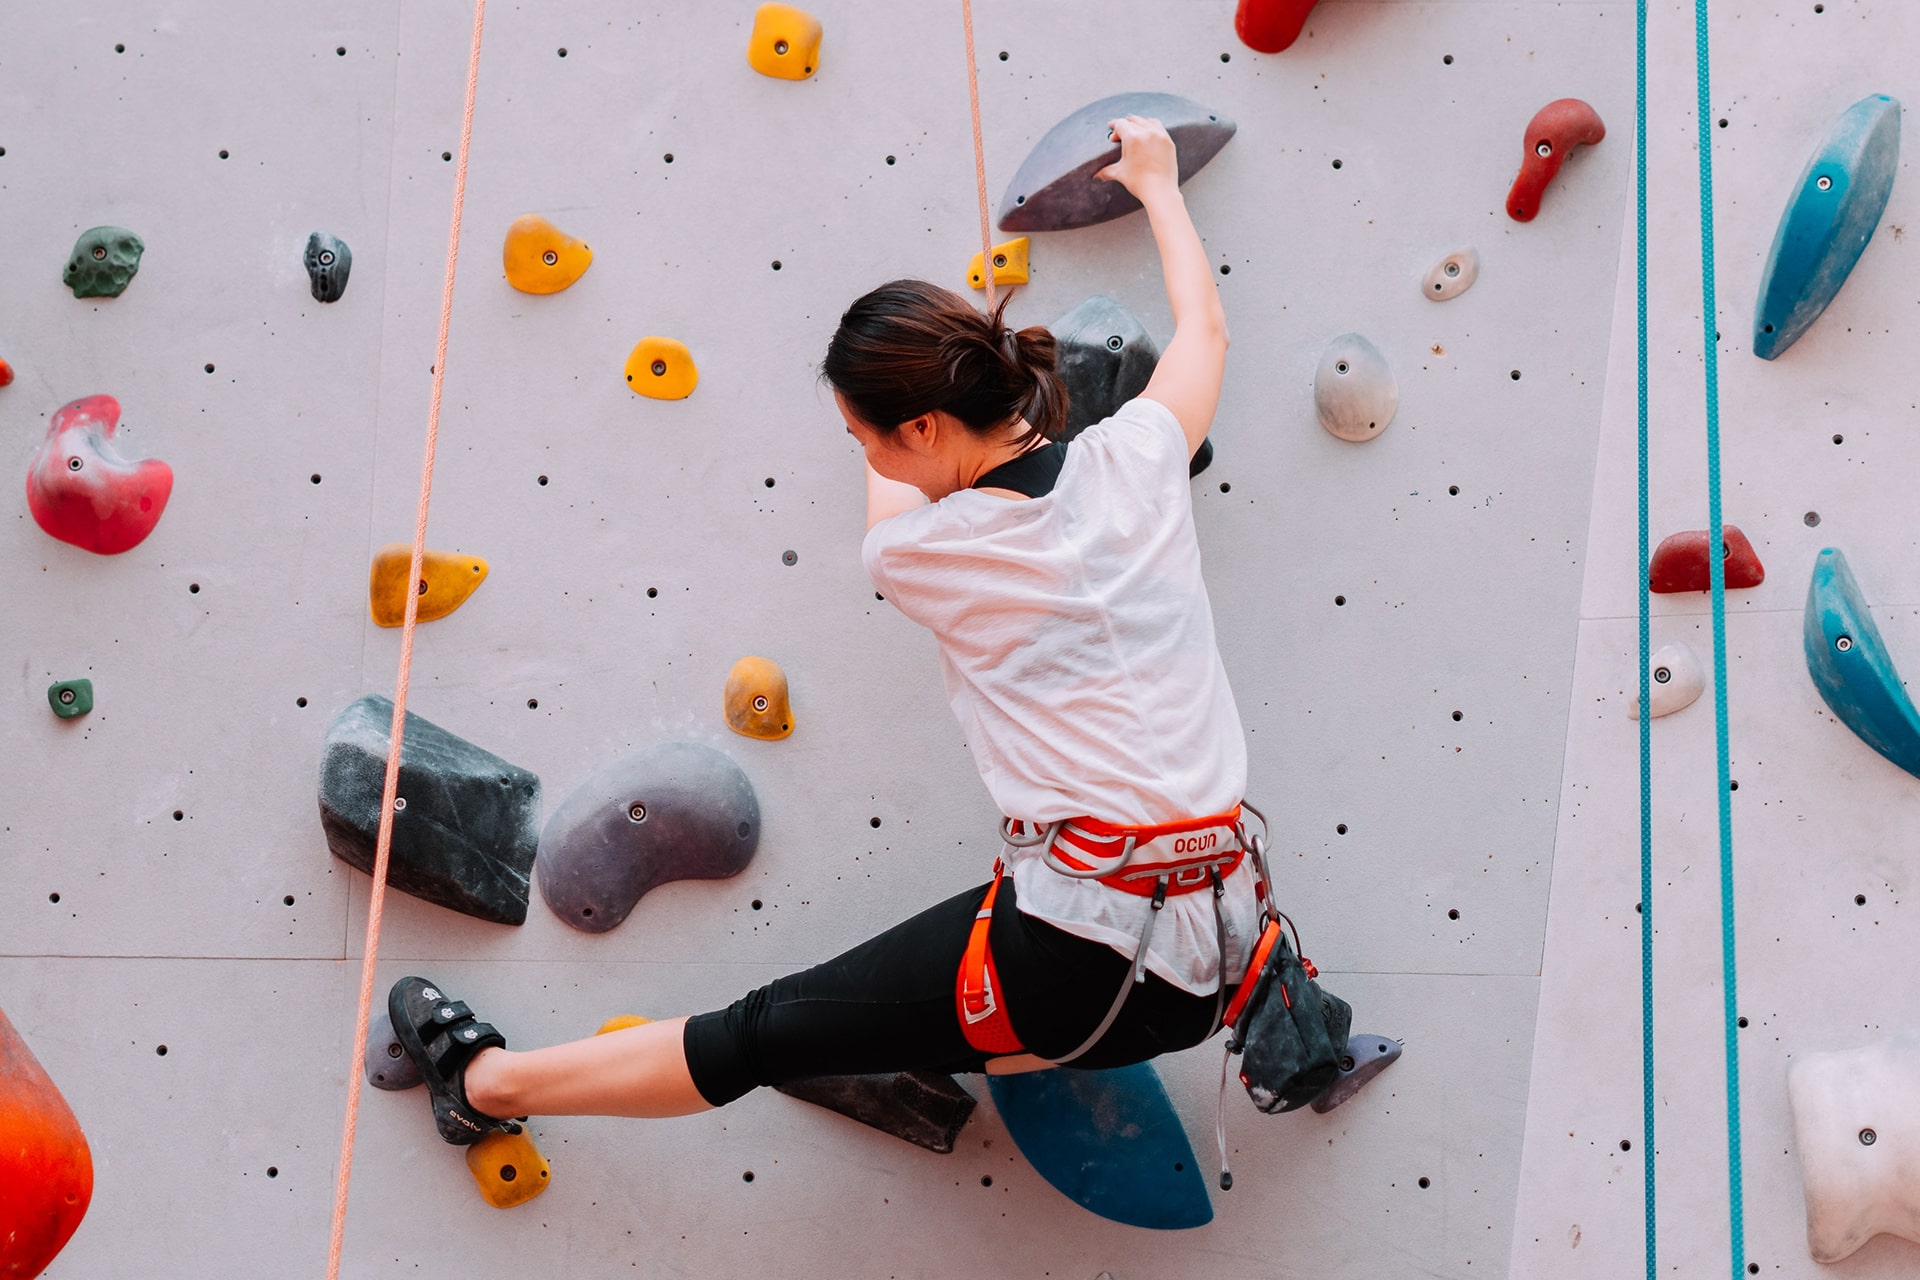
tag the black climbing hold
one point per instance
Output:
(328, 262)
(1366, 1057)
(1105, 358)
(1055, 189)
(675, 811)
(925, 1108)
(466, 837)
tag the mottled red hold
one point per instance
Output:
(6, 373)
(1555, 130)
(1268, 26)
(82, 490)
(1680, 563)
(46, 1169)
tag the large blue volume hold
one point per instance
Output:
(1110, 1141)
(1828, 221)
(1850, 667)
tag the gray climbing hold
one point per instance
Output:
(387, 1064)
(925, 1108)
(675, 811)
(104, 259)
(1106, 357)
(328, 263)
(1353, 390)
(1365, 1058)
(466, 823)
(1452, 276)
(1055, 189)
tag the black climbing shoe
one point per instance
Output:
(442, 1036)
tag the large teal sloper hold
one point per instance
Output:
(1828, 220)
(1110, 1141)
(1850, 665)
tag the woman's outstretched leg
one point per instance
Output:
(636, 1071)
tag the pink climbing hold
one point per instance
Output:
(81, 490)
(1555, 130)
(1268, 26)
(1680, 562)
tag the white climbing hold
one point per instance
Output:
(1353, 390)
(1856, 1124)
(1452, 276)
(1678, 679)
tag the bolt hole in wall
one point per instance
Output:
(53, 897)
(1812, 518)
(747, 1176)
(160, 1050)
(533, 704)
(1425, 1183)
(1453, 913)
(299, 702)
(1340, 829)
(1859, 899)
(756, 904)
(543, 479)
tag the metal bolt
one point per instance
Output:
(637, 813)
(760, 702)
(399, 803)
(99, 252)
(66, 697)
(1115, 342)
(780, 47)
(1451, 269)
(74, 464)
(1826, 184)
(1340, 367)
(326, 257)
(1661, 675)
(1844, 643)
(1543, 148)
(659, 368)
(999, 260)
(1868, 1137)
(423, 586)
(549, 257)
(394, 1050)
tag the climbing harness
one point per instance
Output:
(383, 845)
(1154, 863)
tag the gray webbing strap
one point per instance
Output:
(1138, 973)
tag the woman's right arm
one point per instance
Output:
(1187, 379)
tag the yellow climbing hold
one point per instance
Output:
(662, 369)
(446, 580)
(508, 1168)
(785, 43)
(756, 699)
(1009, 264)
(541, 258)
(621, 1021)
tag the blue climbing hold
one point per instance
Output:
(1828, 221)
(1109, 1141)
(1850, 667)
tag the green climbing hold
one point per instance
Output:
(70, 699)
(104, 259)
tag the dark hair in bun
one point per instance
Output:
(909, 347)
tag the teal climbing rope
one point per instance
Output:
(1718, 579)
(1646, 640)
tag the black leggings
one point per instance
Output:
(887, 1005)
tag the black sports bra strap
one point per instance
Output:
(1033, 473)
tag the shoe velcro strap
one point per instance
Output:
(448, 1012)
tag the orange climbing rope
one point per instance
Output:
(384, 844)
(979, 154)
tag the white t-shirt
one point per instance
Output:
(1077, 644)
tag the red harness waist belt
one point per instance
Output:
(1148, 862)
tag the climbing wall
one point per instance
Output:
(1399, 618)
(1816, 447)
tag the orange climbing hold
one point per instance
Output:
(508, 1168)
(538, 257)
(756, 700)
(662, 369)
(46, 1170)
(1009, 264)
(621, 1021)
(446, 580)
(785, 43)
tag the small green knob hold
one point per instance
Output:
(70, 698)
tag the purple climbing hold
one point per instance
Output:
(675, 811)
(1055, 190)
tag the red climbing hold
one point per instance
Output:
(1268, 26)
(1555, 130)
(46, 1170)
(81, 490)
(1680, 562)
(6, 373)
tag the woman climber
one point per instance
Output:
(1063, 584)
